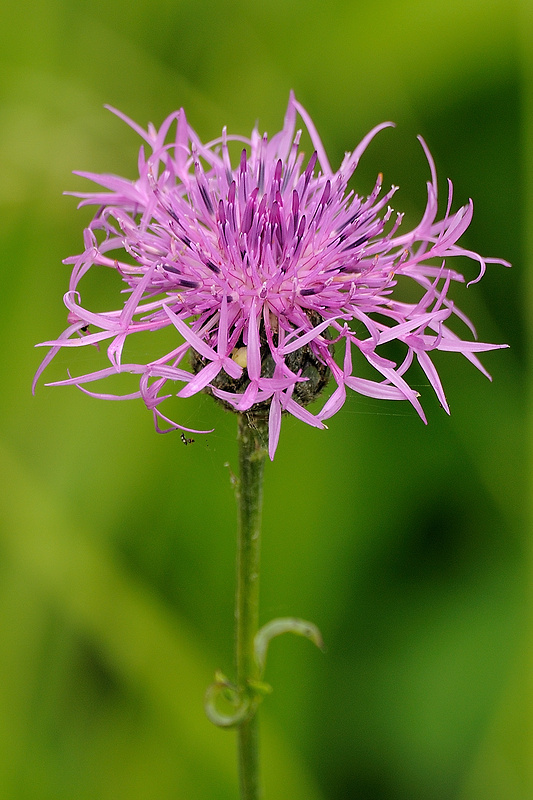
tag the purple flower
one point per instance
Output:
(262, 270)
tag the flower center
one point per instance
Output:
(313, 373)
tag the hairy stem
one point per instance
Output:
(253, 433)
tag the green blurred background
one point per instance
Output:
(407, 545)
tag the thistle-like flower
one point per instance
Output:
(265, 270)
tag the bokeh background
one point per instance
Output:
(408, 545)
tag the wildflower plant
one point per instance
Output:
(274, 277)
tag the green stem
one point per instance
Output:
(253, 434)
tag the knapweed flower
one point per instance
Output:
(265, 269)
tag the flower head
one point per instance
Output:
(263, 268)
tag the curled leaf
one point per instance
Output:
(275, 627)
(222, 695)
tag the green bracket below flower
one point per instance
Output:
(228, 705)
(283, 625)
